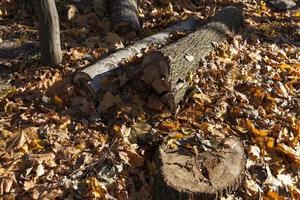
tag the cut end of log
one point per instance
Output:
(169, 85)
(156, 72)
(185, 174)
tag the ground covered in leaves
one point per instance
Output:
(57, 141)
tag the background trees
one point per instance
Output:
(49, 32)
(123, 16)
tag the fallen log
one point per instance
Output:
(124, 15)
(167, 69)
(92, 75)
(202, 172)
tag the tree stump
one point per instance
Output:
(167, 70)
(49, 33)
(194, 173)
(124, 15)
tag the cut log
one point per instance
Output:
(281, 5)
(167, 69)
(124, 15)
(49, 34)
(198, 173)
(92, 75)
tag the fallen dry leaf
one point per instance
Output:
(17, 142)
(109, 100)
(71, 11)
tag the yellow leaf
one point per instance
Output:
(172, 143)
(24, 149)
(9, 107)
(272, 195)
(35, 144)
(284, 66)
(80, 146)
(265, 28)
(64, 125)
(296, 65)
(263, 6)
(58, 101)
(291, 85)
(270, 142)
(170, 125)
(201, 98)
(297, 14)
(5, 91)
(258, 93)
(117, 130)
(257, 132)
(76, 54)
(187, 131)
(290, 152)
(98, 189)
(179, 136)
(5, 134)
(268, 29)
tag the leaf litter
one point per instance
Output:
(55, 144)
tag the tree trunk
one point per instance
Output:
(49, 34)
(167, 70)
(124, 15)
(92, 75)
(199, 173)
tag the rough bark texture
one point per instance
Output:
(49, 33)
(200, 174)
(124, 15)
(92, 75)
(281, 5)
(166, 70)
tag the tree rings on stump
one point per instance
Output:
(193, 171)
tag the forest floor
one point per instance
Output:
(57, 141)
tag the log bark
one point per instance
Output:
(124, 15)
(167, 69)
(92, 75)
(49, 33)
(200, 173)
